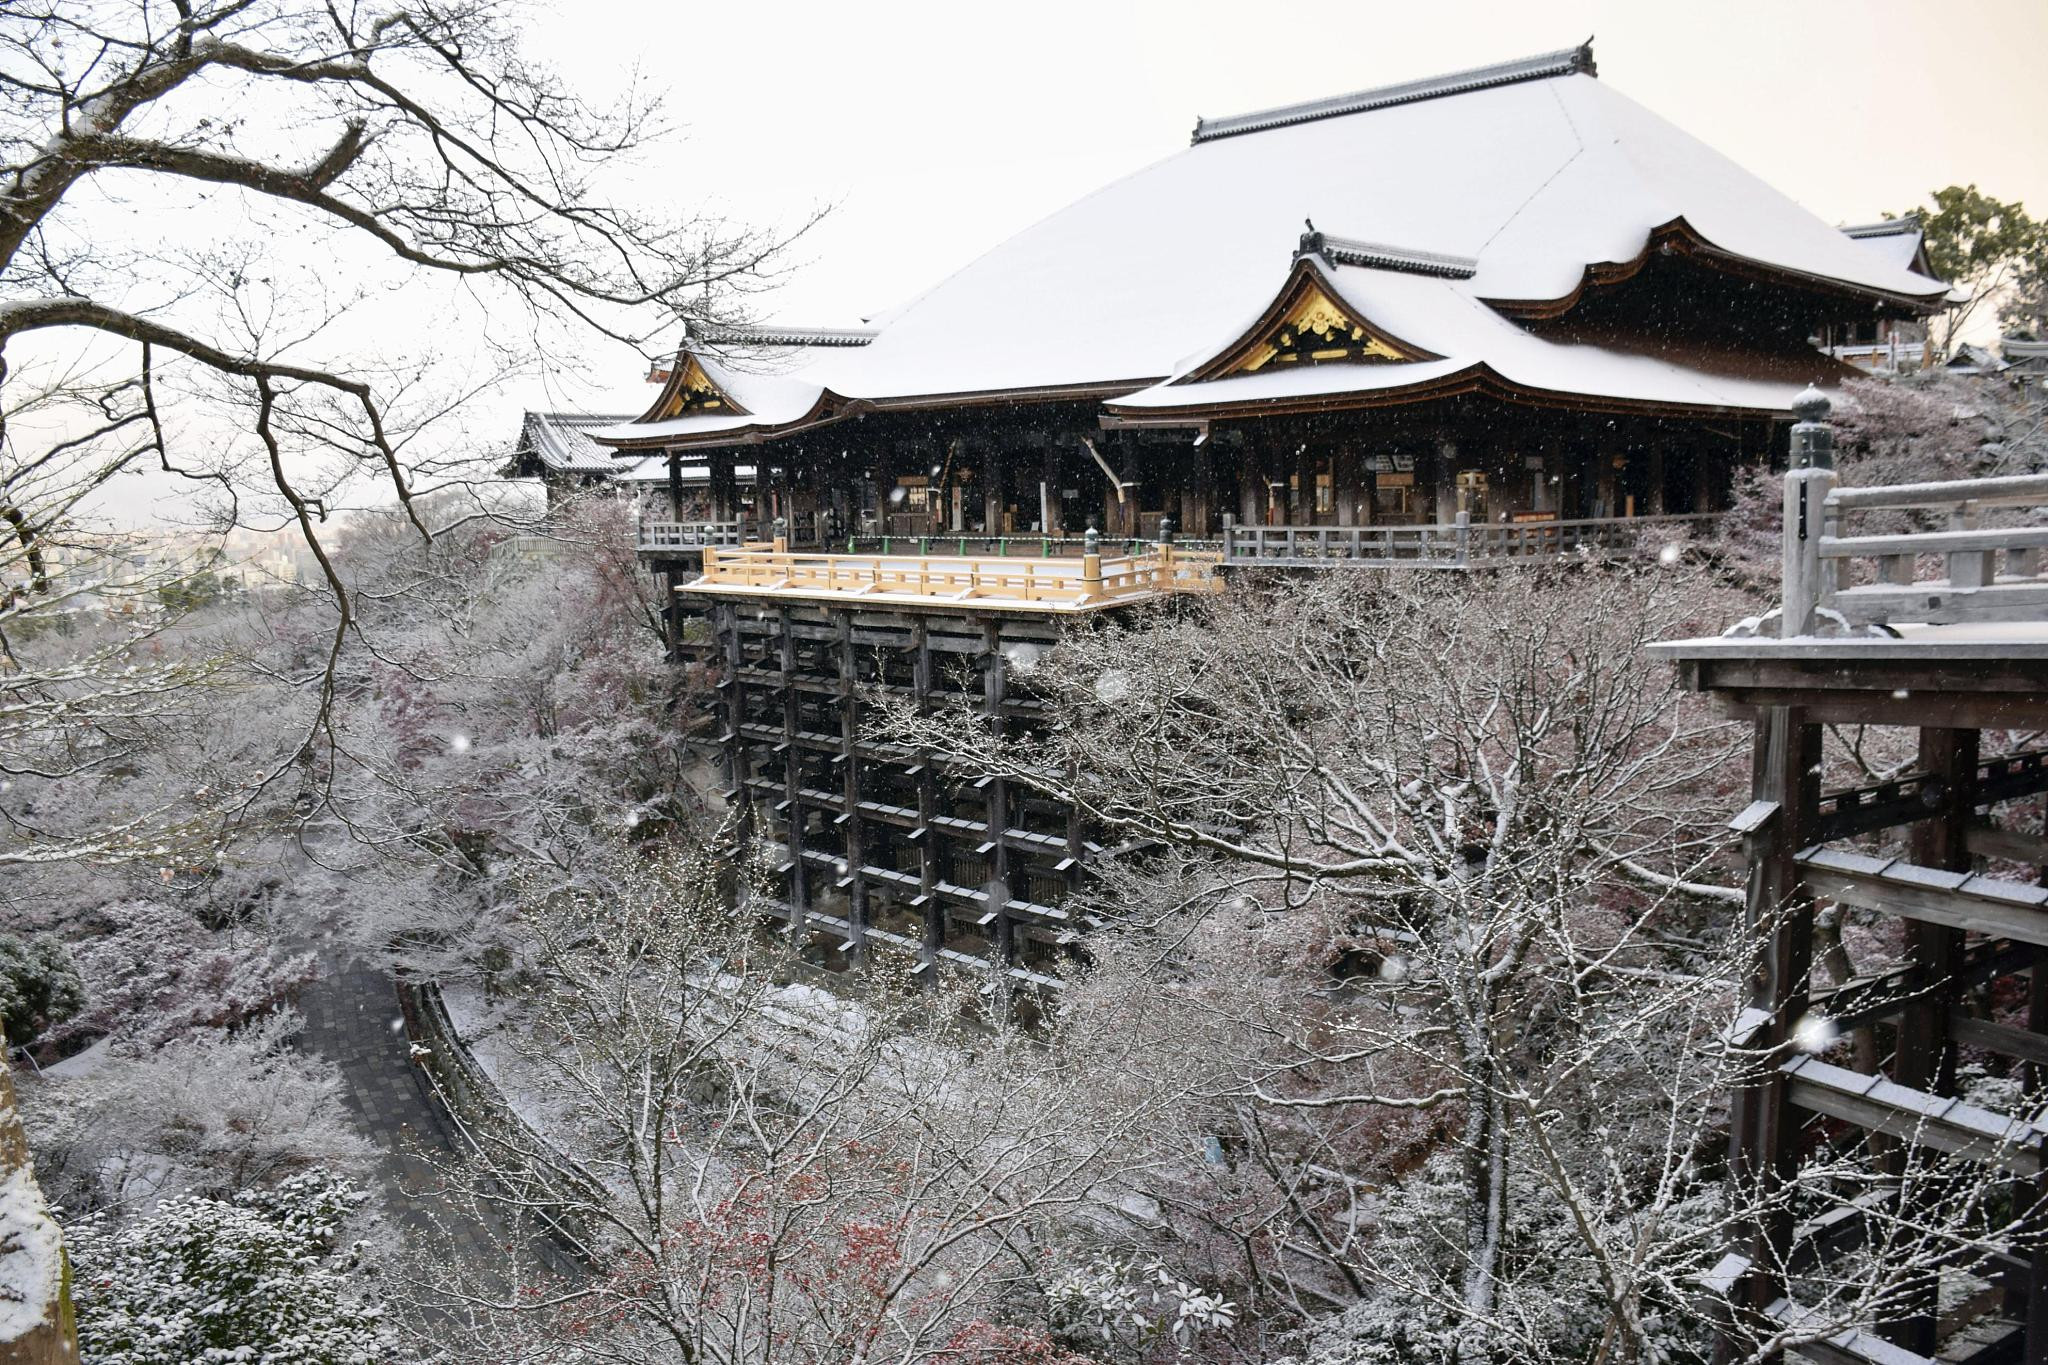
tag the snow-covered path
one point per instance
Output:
(352, 1018)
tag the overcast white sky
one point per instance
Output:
(936, 130)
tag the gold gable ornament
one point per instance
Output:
(694, 392)
(1315, 330)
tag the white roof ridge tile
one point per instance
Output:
(1382, 256)
(1564, 62)
(1883, 227)
(768, 335)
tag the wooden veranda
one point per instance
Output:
(1947, 638)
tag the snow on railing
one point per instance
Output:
(1986, 574)
(689, 535)
(478, 1110)
(1457, 545)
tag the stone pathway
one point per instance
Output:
(353, 1019)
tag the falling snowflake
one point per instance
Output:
(1022, 658)
(458, 744)
(1814, 1034)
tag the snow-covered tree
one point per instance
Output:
(763, 1171)
(236, 239)
(1439, 929)
(269, 1275)
(515, 707)
(214, 1114)
(39, 986)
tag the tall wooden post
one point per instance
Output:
(1926, 1055)
(854, 848)
(796, 818)
(995, 688)
(724, 487)
(927, 804)
(1763, 1129)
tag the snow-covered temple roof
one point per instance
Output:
(1900, 241)
(560, 442)
(1447, 210)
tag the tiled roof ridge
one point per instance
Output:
(1884, 227)
(1564, 62)
(1380, 256)
(737, 334)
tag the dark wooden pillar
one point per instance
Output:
(724, 486)
(796, 818)
(933, 913)
(854, 848)
(1003, 943)
(1763, 1130)
(1926, 1053)
(726, 625)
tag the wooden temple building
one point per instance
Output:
(1943, 634)
(1502, 313)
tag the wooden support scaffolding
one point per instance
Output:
(1966, 937)
(882, 848)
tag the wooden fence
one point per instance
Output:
(1964, 573)
(1066, 582)
(1462, 544)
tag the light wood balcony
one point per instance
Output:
(1050, 586)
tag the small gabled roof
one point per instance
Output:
(560, 442)
(1900, 241)
(1441, 341)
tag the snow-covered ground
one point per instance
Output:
(497, 1037)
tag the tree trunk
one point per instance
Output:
(43, 1332)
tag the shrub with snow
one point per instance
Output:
(1134, 1310)
(213, 1114)
(155, 973)
(39, 986)
(267, 1276)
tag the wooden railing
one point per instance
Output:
(1461, 544)
(1024, 546)
(1070, 582)
(1985, 574)
(690, 535)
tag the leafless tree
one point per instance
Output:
(1439, 926)
(760, 1170)
(231, 211)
